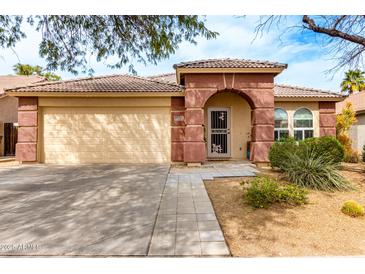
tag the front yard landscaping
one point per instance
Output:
(318, 228)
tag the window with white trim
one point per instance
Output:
(281, 124)
(303, 124)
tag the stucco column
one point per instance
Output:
(26, 147)
(327, 118)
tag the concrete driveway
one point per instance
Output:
(79, 210)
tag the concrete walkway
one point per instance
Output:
(186, 224)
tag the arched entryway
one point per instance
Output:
(227, 126)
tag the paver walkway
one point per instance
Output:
(186, 224)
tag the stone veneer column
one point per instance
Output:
(259, 90)
(327, 118)
(194, 145)
(26, 147)
(177, 128)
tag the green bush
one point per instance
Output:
(313, 170)
(352, 208)
(363, 153)
(265, 191)
(326, 145)
(280, 150)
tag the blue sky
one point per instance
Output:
(306, 57)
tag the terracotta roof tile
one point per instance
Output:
(166, 77)
(229, 63)
(302, 92)
(110, 83)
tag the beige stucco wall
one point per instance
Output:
(291, 107)
(8, 114)
(105, 130)
(240, 121)
(357, 133)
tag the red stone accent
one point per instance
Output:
(176, 122)
(28, 103)
(327, 120)
(177, 151)
(263, 116)
(194, 152)
(260, 152)
(261, 98)
(229, 80)
(27, 134)
(194, 133)
(204, 80)
(177, 134)
(327, 131)
(327, 107)
(263, 133)
(26, 152)
(254, 80)
(177, 103)
(196, 98)
(194, 116)
(27, 118)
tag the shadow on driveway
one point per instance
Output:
(79, 210)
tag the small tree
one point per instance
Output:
(344, 121)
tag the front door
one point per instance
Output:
(219, 127)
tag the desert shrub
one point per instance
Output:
(265, 191)
(327, 145)
(313, 170)
(352, 208)
(363, 153)
(351, 155)
(280, 150)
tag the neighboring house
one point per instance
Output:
(357, 131)
(9, 111)
(207, 109)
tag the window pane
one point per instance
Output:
(284, 134)
(281, 118)
(303, 123)
(276, 135)
(308, 133)
(281, 123)
(303, 113)
(298, 135)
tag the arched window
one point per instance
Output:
(281, 124)
(303, 124)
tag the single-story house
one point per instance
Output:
(9, 111)
(357, 131)
(207, 109)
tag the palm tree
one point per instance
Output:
(25, 69)
(354, 81)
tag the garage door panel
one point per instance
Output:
(106, 135)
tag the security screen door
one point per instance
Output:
(219, 127)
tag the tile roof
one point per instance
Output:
(229, 63)
(166, 77)
(13, 81)
(110, 83)
(302, 92)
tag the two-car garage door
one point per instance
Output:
(106, 135)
